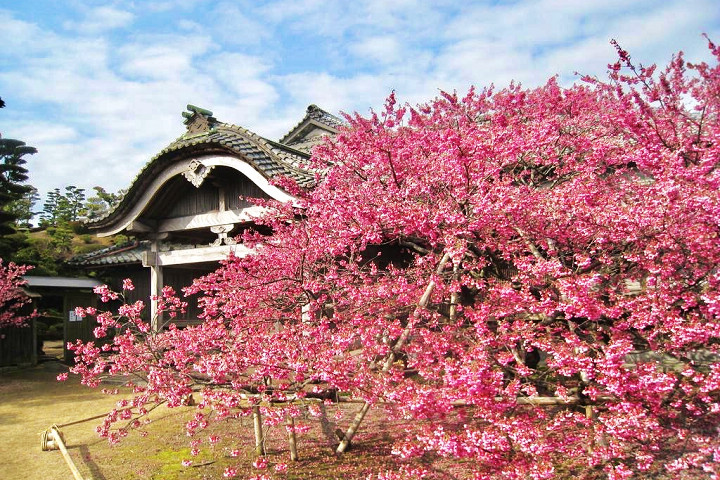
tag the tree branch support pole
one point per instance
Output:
(57, 441)
(257, 425)
(454, 296)
(401, 341)
(291, 439)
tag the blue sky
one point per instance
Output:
(99, 86)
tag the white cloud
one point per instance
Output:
(243, 80)
(190, 26)
(531, 41)
(299, 11)
(235, 26)
(385, 49)
(334, 93)
(154, 57)
(100, 19)
(167, 5)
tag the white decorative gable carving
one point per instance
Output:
(197, 172)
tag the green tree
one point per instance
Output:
(50, 213)
(73, 203)
(13, 176)
(63, 207)
(23, 208)
(102, 202)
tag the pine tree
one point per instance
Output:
(74, 203)
(12, 176)
(13, 189)
(49, 215)
(23, 208)
(101, 203)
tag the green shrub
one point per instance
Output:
(55, 332)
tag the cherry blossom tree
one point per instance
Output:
(530, 275)
(12, 298)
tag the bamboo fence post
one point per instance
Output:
(257, 424)
(350, 433)
(291, 439)
(591, 414)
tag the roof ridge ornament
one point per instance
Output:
(198, 120)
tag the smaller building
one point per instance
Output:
(19, 345)
(65, 294)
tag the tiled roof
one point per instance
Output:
(128, 253)
(326, 118)
(59, 282)
(271, 159)
(124, 254)
(317, 115)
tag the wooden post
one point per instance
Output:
(156, 284)
(257, 424)
(350, 433)
(34, 355)
(454, 297)
(152, 259)
(591, 414)
(291, 439)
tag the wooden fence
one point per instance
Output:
(18, 345)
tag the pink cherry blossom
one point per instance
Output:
(230, 472)
(12, 298)
(461, 260)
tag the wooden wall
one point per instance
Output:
(18, 345)
(195, 200)
(179, 198)
(77, 328)
(240, 186)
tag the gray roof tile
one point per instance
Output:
(123, 254)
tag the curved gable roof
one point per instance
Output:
(206, 137)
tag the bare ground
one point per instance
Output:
(31, 400)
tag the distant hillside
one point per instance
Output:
(48, 249)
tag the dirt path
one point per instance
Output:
(30, 402)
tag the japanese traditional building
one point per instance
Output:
(186, 205)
